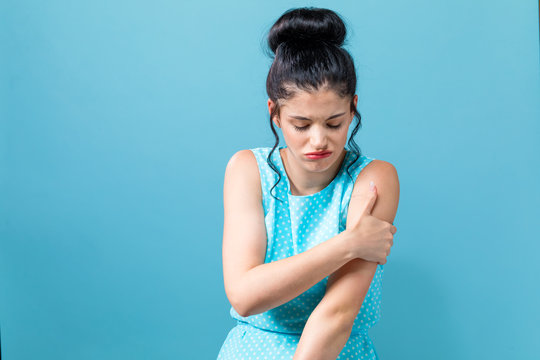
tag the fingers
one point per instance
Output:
(372, 197)
(387, 253)
(367, 205)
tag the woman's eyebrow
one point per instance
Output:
(305, 118)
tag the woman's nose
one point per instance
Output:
(318, 138)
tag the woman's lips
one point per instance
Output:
(315, 156)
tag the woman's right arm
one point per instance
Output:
(252, 286)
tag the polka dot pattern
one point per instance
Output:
(245, 342)
(293, 226)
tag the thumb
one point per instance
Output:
(371, 197)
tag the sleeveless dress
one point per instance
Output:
(294, 226)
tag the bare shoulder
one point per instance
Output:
(385, 177)
(243, 159)
(242, 169)
(382, 173)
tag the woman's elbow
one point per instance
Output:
(238, 301)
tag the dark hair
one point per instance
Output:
(308, 55)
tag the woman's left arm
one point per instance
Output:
(329, 325)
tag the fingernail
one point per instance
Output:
(371, 186)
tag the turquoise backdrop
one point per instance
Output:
(118, 119)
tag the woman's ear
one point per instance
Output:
(271, 105)
(355, 100)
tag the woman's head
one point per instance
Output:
(315, 121)
(311, 76)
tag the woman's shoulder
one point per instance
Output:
(250, 157)
(243, 161)
(262, 151)
(256, 158)
(242, 168)
(383, 174)
(376, 165)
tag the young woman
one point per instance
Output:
(305, 235)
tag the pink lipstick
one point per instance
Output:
(318, 155)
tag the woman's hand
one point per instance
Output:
(369, 237)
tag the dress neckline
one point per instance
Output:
(287, 181)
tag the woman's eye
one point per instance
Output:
(303, 128)
(300, 128)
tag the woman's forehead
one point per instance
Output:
(314, 102)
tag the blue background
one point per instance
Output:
(118, 119)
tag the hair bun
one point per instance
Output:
(307, 25)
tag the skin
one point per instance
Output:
(309, 176)
(330, 324)
(254, 287)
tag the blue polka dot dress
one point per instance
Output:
(294, 226)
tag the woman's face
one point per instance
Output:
(313, 122)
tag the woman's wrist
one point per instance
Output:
(349, 244)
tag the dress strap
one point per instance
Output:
(269, 177)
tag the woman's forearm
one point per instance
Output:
(323, 337)
(269, 285)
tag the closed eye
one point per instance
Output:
(304, 128)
